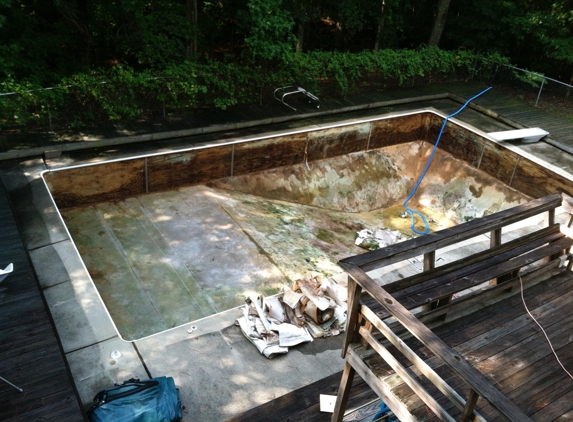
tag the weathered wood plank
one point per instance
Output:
(353, 303)
(467, 414)
(482, 296)
(415, 360)
(302, 405)
(451, 358)
(382, 390)
(401, 371)
(30, 356)
(420, 245)
(472, 259)
(552, 314)
(475, 274)
(438, 289)
(343, 392)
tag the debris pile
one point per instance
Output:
(314, 307)
(376, 239)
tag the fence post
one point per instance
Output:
(539, 93)
(49, 118)
(494, 73)
(163, 108)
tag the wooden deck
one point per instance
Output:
(560, 128)
(30, 355)
(503, 343)
(303, 405)
(500, 340)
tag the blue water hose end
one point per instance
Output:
(384, 409)
(408, 209)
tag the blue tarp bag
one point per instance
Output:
(153, 400)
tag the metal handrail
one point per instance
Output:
(298, 90)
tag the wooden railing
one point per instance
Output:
(436, 285)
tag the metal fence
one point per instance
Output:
(60, 108)
(57, 108)
(535, 88)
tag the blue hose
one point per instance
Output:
(410, 210)
(383, 411)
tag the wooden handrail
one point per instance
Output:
(456, 362)
(418, 362)
(401, 251)
(470, 260)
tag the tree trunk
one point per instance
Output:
(299, 36)
(383, 13)
(192, 18)
(79, 19)
(439, 23)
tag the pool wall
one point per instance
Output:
(116, 180)
(499, 161)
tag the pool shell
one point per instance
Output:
(248, 165)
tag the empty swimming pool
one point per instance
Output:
(171, 238)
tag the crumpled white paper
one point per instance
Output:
(376, 239)
(274, 324)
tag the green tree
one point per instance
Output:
(35, 44)
(536, 35)
(268, 27)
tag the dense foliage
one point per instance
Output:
(121, 92)
(44, 41)
(118, 59)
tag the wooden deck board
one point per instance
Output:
(518, 360)
(30, 355)
(302, 405)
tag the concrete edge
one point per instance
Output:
(100, 143)
(557, 144)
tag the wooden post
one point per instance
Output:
(429, 264)
(353, 303)
(550, 217)
(550, 220)
(429, 260)
(367, 327)
(467, 415)
(494, 240)
(343, 393)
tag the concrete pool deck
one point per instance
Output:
(218, 371)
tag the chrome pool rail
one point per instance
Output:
(296, 90)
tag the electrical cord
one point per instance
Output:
(542, 330)
(410, 210)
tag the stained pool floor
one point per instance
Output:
(165, 259)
